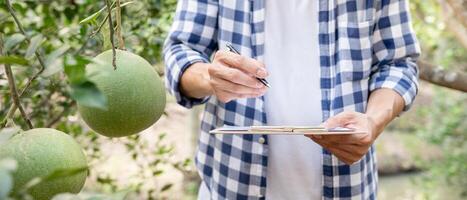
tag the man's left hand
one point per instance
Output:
(349, 148)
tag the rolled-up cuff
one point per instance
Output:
(402, 80)
(177, 64)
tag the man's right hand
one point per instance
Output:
(228, 77)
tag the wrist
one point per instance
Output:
(380, 120)
(383, 106)
(195, 81)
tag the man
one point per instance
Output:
(347, 63)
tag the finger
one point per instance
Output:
(355, 149)
(234, 75)
(349, 148)
(327, 145)
(341, 119)
(243, 63)
(344, 156)
(337, 139)
(234, 95)
(236, 88)
(226, 96)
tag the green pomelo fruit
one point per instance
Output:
(135, 95)
(40, 152)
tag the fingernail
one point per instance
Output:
(261, 72)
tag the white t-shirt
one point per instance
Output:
(292, 60)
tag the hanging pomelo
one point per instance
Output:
(41, 152)
(134, 91)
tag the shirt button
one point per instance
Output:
(261, 140)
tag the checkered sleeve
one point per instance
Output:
(192, 39)
(395, 50)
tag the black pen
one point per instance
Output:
(262, 80)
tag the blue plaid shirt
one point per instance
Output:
(364, 45)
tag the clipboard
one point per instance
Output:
(284, 130)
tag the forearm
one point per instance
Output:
(383, 106)
(195, 81)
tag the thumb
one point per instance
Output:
(340, 119)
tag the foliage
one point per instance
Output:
(55, 26)
(447, 114)
(441, 119)
(438, 44)
(54, 30)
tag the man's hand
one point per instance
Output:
(233, 76)
(383, 106)
(228, 77)
(349, 148)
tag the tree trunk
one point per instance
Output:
(438, 76)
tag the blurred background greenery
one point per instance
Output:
(422, 155)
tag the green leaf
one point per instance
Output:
(157, 172)
(13, 40)
(53, 63)
(7, 167)
(75, 69)
(162, 136)
(87, 94)
(6, 183)
(12, 60)
(57, 53)
(35, 43)
(126, 3)
(63, 173)
(166, 187)
(94, 16)
(7, 133)
(8, 164)
(83, 90)
(57, 174)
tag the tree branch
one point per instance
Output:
(102, 23)
(13, 108)
(100, 26)
(60, 115)
(12, 86)
(111, 29)
(38, 56)
(121, 42)
(438, 76)
(93, 33)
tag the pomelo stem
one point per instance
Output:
(111, 29)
